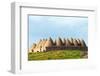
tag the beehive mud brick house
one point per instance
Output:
(58, 44)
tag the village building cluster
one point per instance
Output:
(58, 44)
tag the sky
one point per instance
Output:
(42, 27)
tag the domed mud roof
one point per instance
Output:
(75, 42)
(34, 45)
(64, 41)
(71, 41)
(59, 42)
(49, 42)
(83, 43)
(67, 42)
(79, 42)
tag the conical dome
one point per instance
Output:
(43, 45)
(38, 46)
(71, 41)
(75, 42)
(54, 42)
(59, 42)
(64, 41)
(79, 42)
(67, 42)
(39, 43)
(49, 43)
(33, 46)
(83, 43)
(44, 41)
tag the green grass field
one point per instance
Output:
(54, 55)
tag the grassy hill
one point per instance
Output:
(60, 54)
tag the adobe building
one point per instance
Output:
(59, 44)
